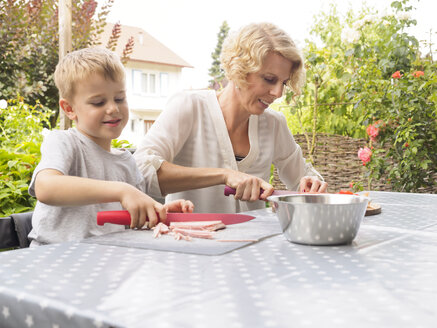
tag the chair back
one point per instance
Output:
(14, 230)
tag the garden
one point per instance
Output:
(368, 79)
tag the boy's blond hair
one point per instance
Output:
(80, 64)
(243, 52)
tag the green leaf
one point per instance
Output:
(349, 52)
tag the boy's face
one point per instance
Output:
(99, 108)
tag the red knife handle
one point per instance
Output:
(114, 217)
(232, 191)
(229, 191)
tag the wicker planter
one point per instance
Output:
(336, 159)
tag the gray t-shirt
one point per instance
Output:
(72, 153)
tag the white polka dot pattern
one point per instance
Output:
(385, 278)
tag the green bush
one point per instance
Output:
(395, 87)
(350, 85)
(21, 127)
(404, 146)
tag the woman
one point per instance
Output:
(204, 140)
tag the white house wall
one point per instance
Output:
(146, 106)
(139, 101)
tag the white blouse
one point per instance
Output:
(191, 131)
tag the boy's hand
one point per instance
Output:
(180, 205)
(141, 208)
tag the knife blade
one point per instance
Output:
(231, 191)
(123, 217)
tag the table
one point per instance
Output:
(386, 278)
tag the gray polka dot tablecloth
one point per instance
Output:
(385, 278)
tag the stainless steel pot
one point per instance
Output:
(320, 219)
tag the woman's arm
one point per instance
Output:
(174, 178)
(292, 167)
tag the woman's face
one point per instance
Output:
(266, 85)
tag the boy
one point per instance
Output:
(79, 174)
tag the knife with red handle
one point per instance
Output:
(123, 217)
(232, 191)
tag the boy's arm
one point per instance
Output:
(54, 188)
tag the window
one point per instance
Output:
(136, 81)
(164, 84)
(152, 82)
(143, 83)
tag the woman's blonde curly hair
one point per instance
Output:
(243, 52)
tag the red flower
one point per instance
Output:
(380, 123)
(418, 73)
(372, 131)
(365, 155)
(406, 145)
(396, 75)
(351, 185)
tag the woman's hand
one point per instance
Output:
(180, 205)
(247, 187)
(312, 184)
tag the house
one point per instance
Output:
(153, 73)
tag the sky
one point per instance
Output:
(190, 27)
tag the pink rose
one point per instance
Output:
(365, 154)
(372, 131)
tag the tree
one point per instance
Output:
(29, 46)
(216, 72)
